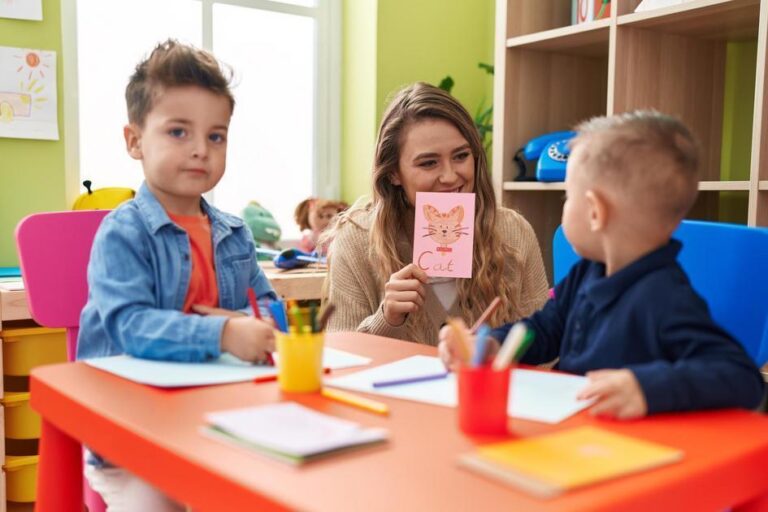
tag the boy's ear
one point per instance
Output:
(132, 135)
(597, 208)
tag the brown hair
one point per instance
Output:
(172, 64)
(301, 214)
(390, 205)
(651, 157)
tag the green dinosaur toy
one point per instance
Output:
(266, 231)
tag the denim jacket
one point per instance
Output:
(138, 277)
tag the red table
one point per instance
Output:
(155, 434)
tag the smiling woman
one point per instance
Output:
(428, 143)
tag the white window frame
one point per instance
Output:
(326, 174)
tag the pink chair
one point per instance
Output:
(54, 249)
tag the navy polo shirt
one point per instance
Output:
(647, 318)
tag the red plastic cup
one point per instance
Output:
(483, 396)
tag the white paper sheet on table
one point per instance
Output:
(534, 395)
(226, 369)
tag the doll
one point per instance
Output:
(313, 216)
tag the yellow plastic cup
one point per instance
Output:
(300, 362)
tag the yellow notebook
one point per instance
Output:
(551, 464)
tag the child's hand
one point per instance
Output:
(453, 352)
(617, 394)
(248, 338)
(404, 293)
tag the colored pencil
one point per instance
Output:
(324, 316)
(257, 314)
(409, 380)
(464, 349)
(254, 303)
(493, 306)
(355, 400)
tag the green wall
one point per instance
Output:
(412, 41)
(358, 105)
(738, 104)
(31, 171)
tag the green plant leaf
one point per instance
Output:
(487, 67)
(446, 84)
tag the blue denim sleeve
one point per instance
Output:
(122, 286)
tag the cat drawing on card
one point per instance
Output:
(444, 228)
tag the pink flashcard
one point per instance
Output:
(443, 233)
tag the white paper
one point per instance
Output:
(226, 369)
(534, 395)
(11, 283)
(292, 429)
(28, 94)
(22, 9)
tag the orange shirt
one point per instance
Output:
(202, 284)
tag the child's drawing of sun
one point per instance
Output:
(33, 64)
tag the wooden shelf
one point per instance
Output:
(706, 186)
(723, 186)
(708, 19)
(534, 185)
(551, 75)
(586, 39)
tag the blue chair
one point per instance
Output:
(727, 265)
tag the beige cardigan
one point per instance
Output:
(354, 289)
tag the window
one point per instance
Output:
(283, 143)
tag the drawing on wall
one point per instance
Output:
(28, 93)
(22, 9)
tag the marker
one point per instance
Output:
(355, 400)
(481, 344)
(512, 342)
(409, 380)
(524, 345)
(278, 315)
(493, 306)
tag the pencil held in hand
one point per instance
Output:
(492, 307)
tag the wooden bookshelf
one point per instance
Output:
(550, 75)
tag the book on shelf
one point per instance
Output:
(290, 432)
(550, 464)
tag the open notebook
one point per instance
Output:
(290, 432)
(551, 464)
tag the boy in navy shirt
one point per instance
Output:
(626, 314)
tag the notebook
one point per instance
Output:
(290, 432)
(548, 465)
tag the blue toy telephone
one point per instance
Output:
(551, 150)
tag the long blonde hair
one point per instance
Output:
(390, 206)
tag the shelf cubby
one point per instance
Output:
(695, 60)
